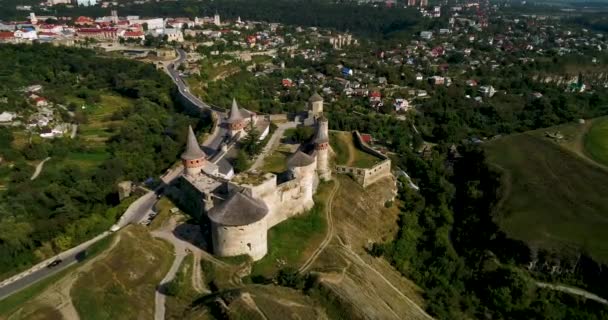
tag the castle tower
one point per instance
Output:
(193, 159)
(216, 20)
(303, 168)
(114, 16)
(321, 142)
(236, 121)
(33, 19)
(238, 226)
(315, 105)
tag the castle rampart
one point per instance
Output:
(367, 176)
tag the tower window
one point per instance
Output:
(249, 245)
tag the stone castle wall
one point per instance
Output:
(367, 176)
(237, 240)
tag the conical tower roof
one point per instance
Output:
(193, 150)
(315, 98)
(300, 159)
(235, 113)
(322, 128)
(239, 210)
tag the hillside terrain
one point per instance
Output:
(553, 193)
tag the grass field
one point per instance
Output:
(347, 153)
(276, 162)
(294, 239)
(97, 130)
(122, 285)
(596, 141)
(20, 299)
(554, 198)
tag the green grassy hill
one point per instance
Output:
(596, 141)
(554, 197)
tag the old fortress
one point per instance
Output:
(241, 208)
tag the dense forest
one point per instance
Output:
(70, 203)
(449, 245)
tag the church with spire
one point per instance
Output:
(240, 209)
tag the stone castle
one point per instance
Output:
(241, 208)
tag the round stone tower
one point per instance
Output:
(315, 103)
(303, 168)
(236, 121)
(193, 159)
(321, 142)
(238, 226)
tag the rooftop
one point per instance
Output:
(315, 98)
(239, 210)
(193, 149)
(300, 159)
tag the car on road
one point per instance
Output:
(54, 263)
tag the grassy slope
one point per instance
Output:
(596, 141)
(293, 240)
(276, 162)
(122, 285)
(14, 302)
(554, 199)
(96, 131)
(342, 143)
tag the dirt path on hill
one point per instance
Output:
(330, 230)
(197, 278)
(364, 264)
(351, 153)
(573, 290)
(248, 300)
(578, 145)
(39, 168)
(57, 296)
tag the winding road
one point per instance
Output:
(136, 212)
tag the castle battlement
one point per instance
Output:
(243, 208)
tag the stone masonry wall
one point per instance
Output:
(367, 176)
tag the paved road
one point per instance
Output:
(69, 257)
(39, 168)
(171, 69)
(272, 143)
(137, 212)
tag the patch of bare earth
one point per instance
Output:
(366, 287)
(55, 302)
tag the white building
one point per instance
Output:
(86, 3)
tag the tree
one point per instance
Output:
(251, 142)
(241, 162)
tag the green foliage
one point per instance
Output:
(543, 181)
(299, 134)
(596, 141)
(449, 244)
(241, 163)
(251, 142)
(70, 202)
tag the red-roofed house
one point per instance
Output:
(47, 35)
(366, 138)
(375, 96)
(40, 102)
(84, 21)
(7, 36)
(287, 83)
(437, 51)
(133, 35)
(97, 33)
